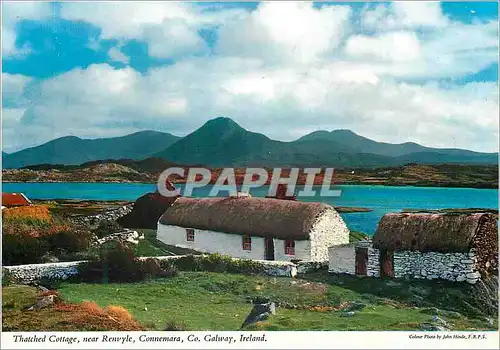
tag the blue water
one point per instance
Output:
(381, 199)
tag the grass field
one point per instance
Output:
(218, 301)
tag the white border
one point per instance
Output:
(273, 340)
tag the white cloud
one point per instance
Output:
(115, 54)
(284, 64)
(404, 14)
(13, 86)
(169, 28)
(12, 14)
(181, 97)
(284, 31)
(392, 46)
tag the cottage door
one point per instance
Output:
(386, 264)
(269, 248)
(361, 261)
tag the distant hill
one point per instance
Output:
(72, 150)
(405, 152)
(221, 142)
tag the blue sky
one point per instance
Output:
(394, 72)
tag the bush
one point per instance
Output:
(70, 240)
(117, 263)
(216, 263)
(91, 317)
(7, 278)
(49, 282)
(28, 213)
(19, 249)
(27, 239)
(106, 228)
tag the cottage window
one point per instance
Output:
(247, 243)
(189, 235)
(289, 247)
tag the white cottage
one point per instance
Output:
(253, 228)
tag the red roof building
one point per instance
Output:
(14, 200)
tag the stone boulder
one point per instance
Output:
(146, 211)
(43, 301)
(262, 309)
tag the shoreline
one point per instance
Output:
(433, 185)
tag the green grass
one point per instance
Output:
(215, 301)
(356, 236)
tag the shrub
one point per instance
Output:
(107, 227)
(33, 228)
(22, 249)
(217, 263)
(69, 240)
(51, 283)
(28, 213)
(117, 263)
(90, 316)
(7, 278)
(77, 256)
(27, 239)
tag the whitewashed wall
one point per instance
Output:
(302, 250)
(328, 230)
(211, 242)
(342, 259)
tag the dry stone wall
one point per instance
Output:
(34, 273)
(373, 265)
(110, 215)
(457, 267)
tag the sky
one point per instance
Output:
(424, 72)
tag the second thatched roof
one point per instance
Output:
(253, 216)
(426, 232)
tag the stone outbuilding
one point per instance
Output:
(452, 246)
(253, 228)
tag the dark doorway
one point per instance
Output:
(386, 264)
(361, 261)
(269, 251)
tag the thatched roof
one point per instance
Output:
(254, 216)
(438, 232)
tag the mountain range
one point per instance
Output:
(222, 142)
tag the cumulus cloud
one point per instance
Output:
(12, 14)
(393, 46)
(283, 64)
(287, 31)
(116, 55)
(404, 14)
(171, 29)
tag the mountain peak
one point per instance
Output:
(344, 132)
(222, 122)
